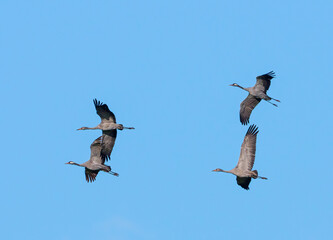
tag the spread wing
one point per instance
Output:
(108, 141)
(264, 81)
(91, 175)
(246, 108)
(244, 182)
(104, 112)
(96, 151)
(95, 147)
(248, 149)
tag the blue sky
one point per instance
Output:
(164, 67)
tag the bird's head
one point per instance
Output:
(70, 162)
(234, 85)
(83, 128)
(217, 170)
(120, 127)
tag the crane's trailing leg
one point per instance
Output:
(268, 98)
(114, 173)
(271, 103)
(121, 127)
(262, 177)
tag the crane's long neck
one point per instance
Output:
(246, 89)
(80, 165)
(88, 128)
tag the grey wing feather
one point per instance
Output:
(246, 108)
(104, 112)
(108, 141)
(248, 149)
(95, 147)
(95, 151)
(264, 81)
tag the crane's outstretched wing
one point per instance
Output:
(91, 175)
(108, 141)
(104, 112)
(246, 108)
(96, 149)
(244, 182)
(248, 149)
(264, 81)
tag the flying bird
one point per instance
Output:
(109, 128)
(243, 170)
(95, 163)
(256, 94)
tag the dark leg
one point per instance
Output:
(272, 103)
(114, 173)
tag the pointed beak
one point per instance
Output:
(230, 84)
(214, 170)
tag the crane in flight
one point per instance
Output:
(256, 94)
(95, 163)
(109, 128)
(243, 170)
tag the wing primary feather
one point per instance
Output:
(253, 130)
(271, 74)
(104, 112)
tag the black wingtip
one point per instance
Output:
(244, 121)
(271, 74)
(89, 179)
(97, 103)
(253, 130)
(105, 157)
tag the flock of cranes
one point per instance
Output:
(243, 170)
(102, 147)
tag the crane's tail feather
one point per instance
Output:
(254, 174)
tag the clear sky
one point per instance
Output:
(164, 67)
